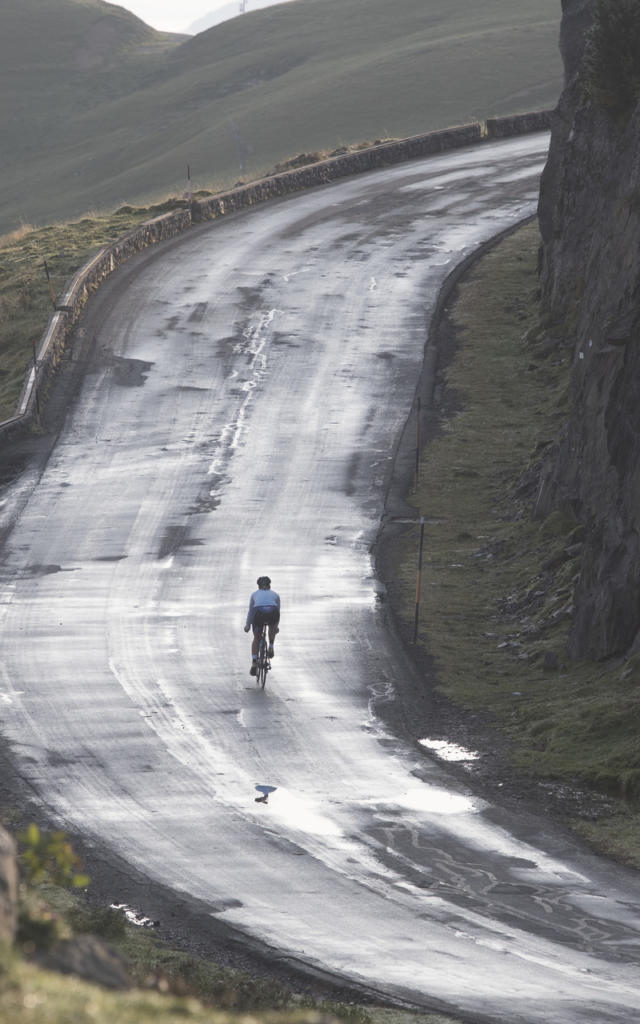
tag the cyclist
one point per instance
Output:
(264, 609)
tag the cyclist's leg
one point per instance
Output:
(255, 643)
(258, 623)
(274, 619)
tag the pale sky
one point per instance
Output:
(176, 15)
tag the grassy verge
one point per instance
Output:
(29, 995)
(497, 584)
(25, 299)
(167, 985)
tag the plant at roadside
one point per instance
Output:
(39, 925)
(611, 68)
(108, 923)
(49, 858)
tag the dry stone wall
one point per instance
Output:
(325, 171)
(89, 277)
(519, 124)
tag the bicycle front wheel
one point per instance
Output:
(263, 661)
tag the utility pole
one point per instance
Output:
(243, 6)
(51, 292)
(418, 582)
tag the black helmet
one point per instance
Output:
(264, 582)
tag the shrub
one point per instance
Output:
(39, 926)
(107, 922)
(49, 858)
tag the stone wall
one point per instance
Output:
(519, 124)
(325, 171)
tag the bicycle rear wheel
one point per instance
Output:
(263, 658)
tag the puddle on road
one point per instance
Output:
(295, 813)
(449, 751)
(432, 800)
(129, 373)
(34, 570)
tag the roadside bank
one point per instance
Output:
(88, 956)
(497, 583)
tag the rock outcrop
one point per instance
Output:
(590, 222)
(90, 958)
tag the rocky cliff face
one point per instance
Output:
(590, 221)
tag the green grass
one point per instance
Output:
(25, 299)
(29, 995)
(497, 583)
(168, 985)
(96, 122)
(154, 964)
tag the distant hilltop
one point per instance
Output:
(230, 10)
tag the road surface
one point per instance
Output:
(248, 385)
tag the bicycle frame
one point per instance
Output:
(264, 663)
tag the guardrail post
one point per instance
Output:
(46, 270)
(35, 380)
(417, 465)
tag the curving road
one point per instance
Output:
(248, 385)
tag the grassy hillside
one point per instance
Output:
(60, 58)
(99, 109)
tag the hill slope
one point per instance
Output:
(238, 98)
(58, 57)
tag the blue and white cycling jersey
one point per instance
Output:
(266, 600)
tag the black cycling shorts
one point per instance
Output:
(265, 617)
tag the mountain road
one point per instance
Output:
(239, 415)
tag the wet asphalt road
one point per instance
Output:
(239, 416)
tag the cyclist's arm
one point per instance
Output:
(250, 613)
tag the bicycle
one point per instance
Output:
(263, 663)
